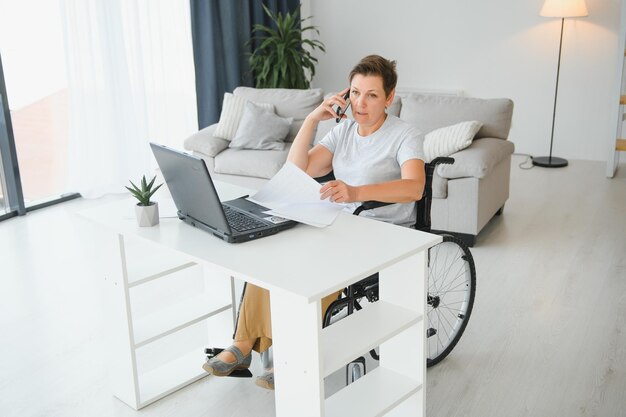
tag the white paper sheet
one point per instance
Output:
(293, 194)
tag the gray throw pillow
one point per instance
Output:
(260, 129)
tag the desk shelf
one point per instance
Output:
(145, 263)
(362, 331)
(147, 272)
(158, 299)
(175, 317)
(170, 377)
(375, 394)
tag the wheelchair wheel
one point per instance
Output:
(451, 291)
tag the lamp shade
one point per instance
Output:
(564, 8)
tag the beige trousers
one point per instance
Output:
(254, 316)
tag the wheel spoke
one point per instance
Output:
(449, 291)
(440, 315)
(439, 333)
(459, 271)
(454, 311)
(446, 261)
(448, 305)
(455, 287)
(446, 267)
(434, 265)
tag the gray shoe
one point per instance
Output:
(266, 380)
(217, 367)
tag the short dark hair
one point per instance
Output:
(377, 65)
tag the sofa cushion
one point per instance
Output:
(450, 139)
(260, 129)
(205, 143)
(253, 163)
(430, 112)
(232, 112)
(478, 159)
(396, 106)
(287, 103)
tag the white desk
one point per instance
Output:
(298, 266)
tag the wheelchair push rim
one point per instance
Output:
(451, 292)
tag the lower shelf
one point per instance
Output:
(362, 331)
(374, 394)
(170, 377)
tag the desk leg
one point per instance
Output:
(296, 329)
(118, 332)
(404, 284)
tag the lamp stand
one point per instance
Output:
(553, 161)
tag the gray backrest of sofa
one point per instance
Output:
(324, 127)
(429, 112)
(288, 103)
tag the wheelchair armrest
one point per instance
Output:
(368, 205)
(442, 160)
(429, 169)
(325, 178)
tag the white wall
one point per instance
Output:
(489, 48)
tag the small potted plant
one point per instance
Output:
(147, 211)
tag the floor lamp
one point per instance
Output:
(562, 9)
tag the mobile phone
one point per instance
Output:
(341, 111)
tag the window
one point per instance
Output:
(34, 89)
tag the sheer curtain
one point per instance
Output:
(131, 81)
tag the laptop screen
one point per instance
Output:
(191, 187)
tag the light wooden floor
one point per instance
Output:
(547, 336)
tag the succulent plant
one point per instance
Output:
(146, 191)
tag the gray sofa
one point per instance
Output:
(466, 195)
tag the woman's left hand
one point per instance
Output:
(339, 192)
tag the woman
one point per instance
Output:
(376, 156)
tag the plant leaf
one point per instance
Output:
(151, 182)
(280, 59)
(152, 193)
(137, 189)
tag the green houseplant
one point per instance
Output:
(147, 211)
(280, 60)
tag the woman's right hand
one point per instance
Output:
(326, 110)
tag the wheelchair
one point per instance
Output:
(451, 285)
(451, 288)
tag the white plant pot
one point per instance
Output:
(147, 215)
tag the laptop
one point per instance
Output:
(198, 204)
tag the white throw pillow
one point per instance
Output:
(260, 129)
(450, 139)
(232, 110)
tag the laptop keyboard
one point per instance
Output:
(240, 222)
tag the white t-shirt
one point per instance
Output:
(361, 160)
